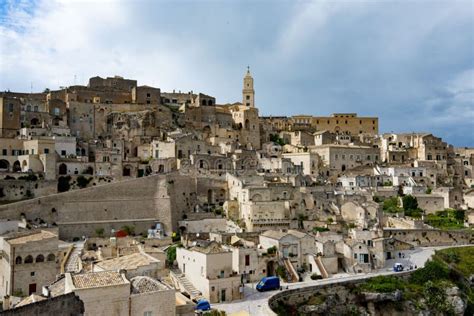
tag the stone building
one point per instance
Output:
(29, 261)
(210, 270)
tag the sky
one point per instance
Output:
(411, 63)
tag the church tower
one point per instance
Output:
(248, 93)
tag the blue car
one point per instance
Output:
(268, 284)
(203, 305)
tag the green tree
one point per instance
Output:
(63, 184)
(82, 181)
(171, 255)
(409, 203)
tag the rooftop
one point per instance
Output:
(128, 262)
(97, 279)
(21, 238)
(144, 284)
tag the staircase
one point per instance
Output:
(294, 277)
(321, 267)
(74, 264)
(184, 285)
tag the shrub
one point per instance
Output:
(82, 181)
(30, 177)
(383, 284)
(171, 255)
(409, 203)
(390, 205)
(99, 232)
(320, 229)
(281, 272)
(433, 270)
(272, 250)
(315, 276)
(63, 184)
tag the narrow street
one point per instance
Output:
(256, 303)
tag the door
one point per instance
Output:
(223, 295)
(32, 288)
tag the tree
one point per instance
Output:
(171, 255)
(82, 181)
(63, 184)
(410, 203)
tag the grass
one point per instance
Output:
(383, 284)
(462, 258)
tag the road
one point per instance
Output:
(256, 303)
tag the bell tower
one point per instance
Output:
(248, 93)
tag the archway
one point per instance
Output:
(16, 166)
(24, 166)
(62, 169)
(34, 121)
(247, 124)
(271, 268)
(343, 168)
(4, 165)
(127, 171)
(40, 258)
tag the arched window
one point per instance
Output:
(29, 259)
(35, 108)
(40, 258)
(51, 257)
(18, 260)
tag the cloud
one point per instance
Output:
(398, 61)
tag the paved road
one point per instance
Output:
(256, 303)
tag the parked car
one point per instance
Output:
(268, 284)
(398, 267)
(203, 305)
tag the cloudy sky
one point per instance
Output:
(411, 63)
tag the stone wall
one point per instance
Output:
(163, 198)
(431, 237)
(68, 304)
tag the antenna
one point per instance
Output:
(75, 79)
(31, 87)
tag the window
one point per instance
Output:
(148, 95)
(10, 107)
(247, 97)
(148, 313)
(247, 260)
(63, 153)
(56, 111)
(32, 273)
(35, 108)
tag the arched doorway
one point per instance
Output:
(4, 165)
(247, 124)
(62, 169)
(16, 166)
(343, 168)
(34, 121)
(127, 171)
(271, 268)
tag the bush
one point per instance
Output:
(383, 284)
(171, 255)
(63, 184)
(433, 270)
(281, 272)
(409, 203)
(82, 181)
(315, 276)
(130, 230)
(9, 178)
(390, 205)
(30, 177)
(272, 250)
(99, 232)
(320, 229)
